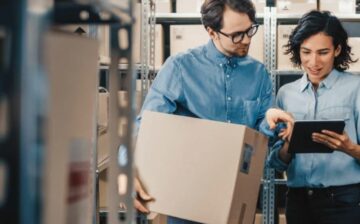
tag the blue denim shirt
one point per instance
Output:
(204, 83)
(337, 97)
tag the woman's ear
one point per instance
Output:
(338, 50)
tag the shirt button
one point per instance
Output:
(227, 76)
(228, 121)
(229, 98)
(310, 192)
(221, 65)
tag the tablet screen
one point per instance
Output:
(301, 141)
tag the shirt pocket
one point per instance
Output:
(298, 116)
(335, 113)
(251, 110)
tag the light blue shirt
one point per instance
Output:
(337, 97)
(204, 83)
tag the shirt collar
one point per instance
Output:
(328, 82)
(218, 57)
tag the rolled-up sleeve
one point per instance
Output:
(166, 90)
(274, 160)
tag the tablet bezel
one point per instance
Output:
(301, 140)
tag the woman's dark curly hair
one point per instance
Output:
(212, 11)
(315, 22)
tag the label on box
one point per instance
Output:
(79, 182)
(247, 153)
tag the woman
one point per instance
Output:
(323, 187)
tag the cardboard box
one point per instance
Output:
(354, 43)
(256, 49)
(155, 218)
(295, 6)
(163, 6)
(259, 5)
(188, 6)
(71, 65)
(283, 60)
(183, 37)
(200, 170)
(338, 6)
(259, 218)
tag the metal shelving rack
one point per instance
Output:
(23, 92)
(23, 88)
(268, 193)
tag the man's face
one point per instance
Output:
(317, 54)
(233, 22)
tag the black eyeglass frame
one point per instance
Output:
(241, 33)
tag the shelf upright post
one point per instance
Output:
(270, 22)
(122, 120)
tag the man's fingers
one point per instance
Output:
(144, 196)
(140, 206)
(141, 192)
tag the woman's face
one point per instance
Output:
(317, 54)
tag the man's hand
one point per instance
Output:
(274, 116)
(142, 197)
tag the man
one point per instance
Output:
(217, 81)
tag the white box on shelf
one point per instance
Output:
(163, 6)
(354, 43)
(256, 49)
(72, 67)
(259, 5)
(283, 60)
(338, 6)
(295, 6)
(183, 37)
(188, 6)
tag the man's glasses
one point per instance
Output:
(239, 36)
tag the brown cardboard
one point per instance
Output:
(354, 43)
(194, 168)
(256, 49)
(188, 6)
(159, 40)
(155, 218)
(71, 65)
(283, 61)
(259, 218)
(338, 6)
(184, 37)
(295, 6)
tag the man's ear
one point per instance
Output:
(213, 34)
(338, 50)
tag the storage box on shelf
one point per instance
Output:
(295, 6)
(338, 6)
(183, 37)
(283, 60)
(188, 6)
(71, 128)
